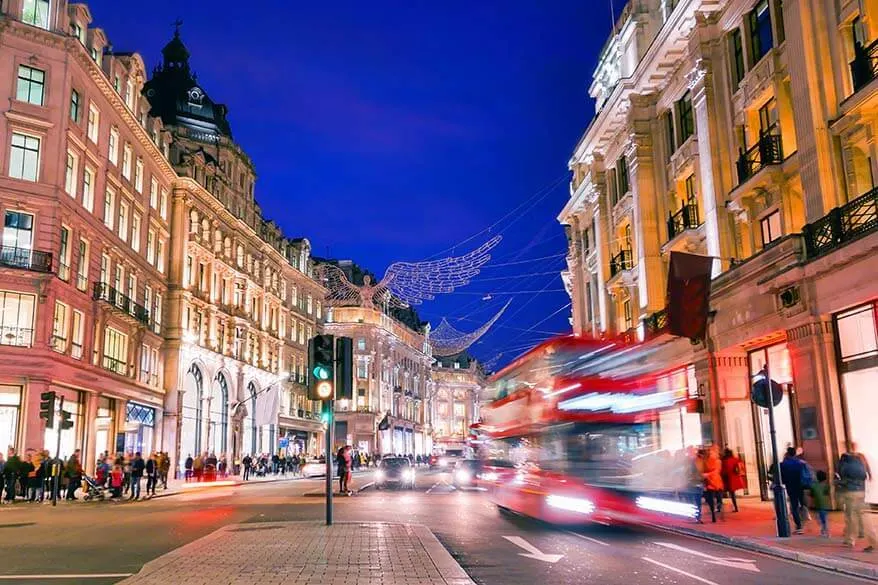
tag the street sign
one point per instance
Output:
(759, 391)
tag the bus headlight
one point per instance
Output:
(462, 476)
(578, 505)
(667, 507)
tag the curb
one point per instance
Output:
(322, 493)
(844, 567)
(237, 483)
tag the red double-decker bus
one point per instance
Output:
(576, 420)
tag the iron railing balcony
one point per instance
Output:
(655, 324)
(624, 260)
(685, 218)
(114, 365)
(26, 259)
(768, 150)
(19, 336)
(864, 67)
(842, 224)
(105, 292)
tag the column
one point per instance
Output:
(576, 269)
(650, 268)
(812, 352)
(603, 228)
(90, 432)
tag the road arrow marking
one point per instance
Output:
(532, 551)
(743, 564)
(680, 571)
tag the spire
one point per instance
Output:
(175, 55)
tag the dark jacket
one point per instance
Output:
(137, 467)
(852, 473)
(188, 464)
(151, 467)
(12, 468)
(791, 470)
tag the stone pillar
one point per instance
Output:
(576, 269)
(647, 235)
(603, 229)
(812, 352)
(90, 432)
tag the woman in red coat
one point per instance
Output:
(733, 475)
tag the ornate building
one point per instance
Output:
(457, 386)
(138, 277)
(391, 377)
(724, 128)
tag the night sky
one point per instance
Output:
(387, 131)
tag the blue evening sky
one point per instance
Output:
(394, 130)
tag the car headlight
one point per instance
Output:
(409, 474)
(489, 476)
(462, 476)
(579, 505)
(379, 475)
(443, 463)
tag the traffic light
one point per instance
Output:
(321, 370)
(344, 374)
(47, 408)
(66, 423)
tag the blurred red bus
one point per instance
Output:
(578, 418)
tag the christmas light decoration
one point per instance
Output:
(447, 341)
(406, 283)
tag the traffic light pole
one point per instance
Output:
(780, 496)
(330, 423)
(57, 472)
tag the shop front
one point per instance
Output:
(857, 355)
(139, 428)
(10, 415)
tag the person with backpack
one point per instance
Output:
(793, 474)
(852, 475)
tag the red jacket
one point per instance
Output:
(733, 474)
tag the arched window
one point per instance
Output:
(240, 256)
(193, 222)
(193, 398)
(223, 427)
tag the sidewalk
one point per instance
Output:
(753, 528)
(309, 553)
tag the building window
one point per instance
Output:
(31, 85)
(685, 117)
(670, 135)
(94, 123)
(771, 228)
(105, 268)
(362, 370)
(187, 272)
(157, 314)
(239, 258)
(18, 231)
(36, 12)
(24, 158)
(82, 266)
(123, 221)
(70, 174)
(75, 106)
(761, 38)
(113, 146)
(138, 175)
(135, 232)
(361, 344)
(150, 247)
(64, 255)
(59, 328)
(77, 334)
(736, 47)
(163, 205)
(857, 335)
(622, 174)
(109, 208)
(88, 194)
(153, 193)
(627, 314)
(129, 95)
(16, 318)
(160, 255)
(126, 161)
(115, 351)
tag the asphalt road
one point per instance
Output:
(86, 541)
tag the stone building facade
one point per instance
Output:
(726, 128)
(138, 277)
(457, 386)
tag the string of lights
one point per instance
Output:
(447, 341)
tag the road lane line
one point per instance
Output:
(72, 576)
(732, 562)
(680, 571)
(588, 538)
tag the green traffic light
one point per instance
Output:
(321, 373)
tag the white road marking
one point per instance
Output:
(532, 551)
(86, 576)
(734, 563)
(588, 538)
(680, 571)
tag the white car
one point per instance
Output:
(314, 468)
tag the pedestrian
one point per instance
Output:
(35, 476)
(247, 463)
(117, 479)
(733, 476)
(126, 468)
(792, 473)
(73, 473)
(152, 475)
(164, 469)
(713, 481)
(820, 497)
(10, 473)
(137, 468)
(852, 476)
(198, 467)
(187, 474)
(341, 462)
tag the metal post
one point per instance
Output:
(327, 410)
(777, 488)
(57, 472)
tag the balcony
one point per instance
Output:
(76, 350)
(26, 259)
(114, 365)
(108, 294)
(767, 151)
(64, 272)
(82, 282)
(685, 218)
(864, 67)
(19, 336)
(843, 224)
(624, 260)
(655, 324)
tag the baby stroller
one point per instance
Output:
(93, 490)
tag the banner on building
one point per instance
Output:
(267, 405)
(689, 294)
(385, 423)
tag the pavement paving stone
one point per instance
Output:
(302, 553)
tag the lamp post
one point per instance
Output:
(780, 495)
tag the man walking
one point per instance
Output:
(10, 473)
(247, 463)
(137, 468)
(164, 469)
(152, 470)
(73, 473)
(852, 474)
(792, 472)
